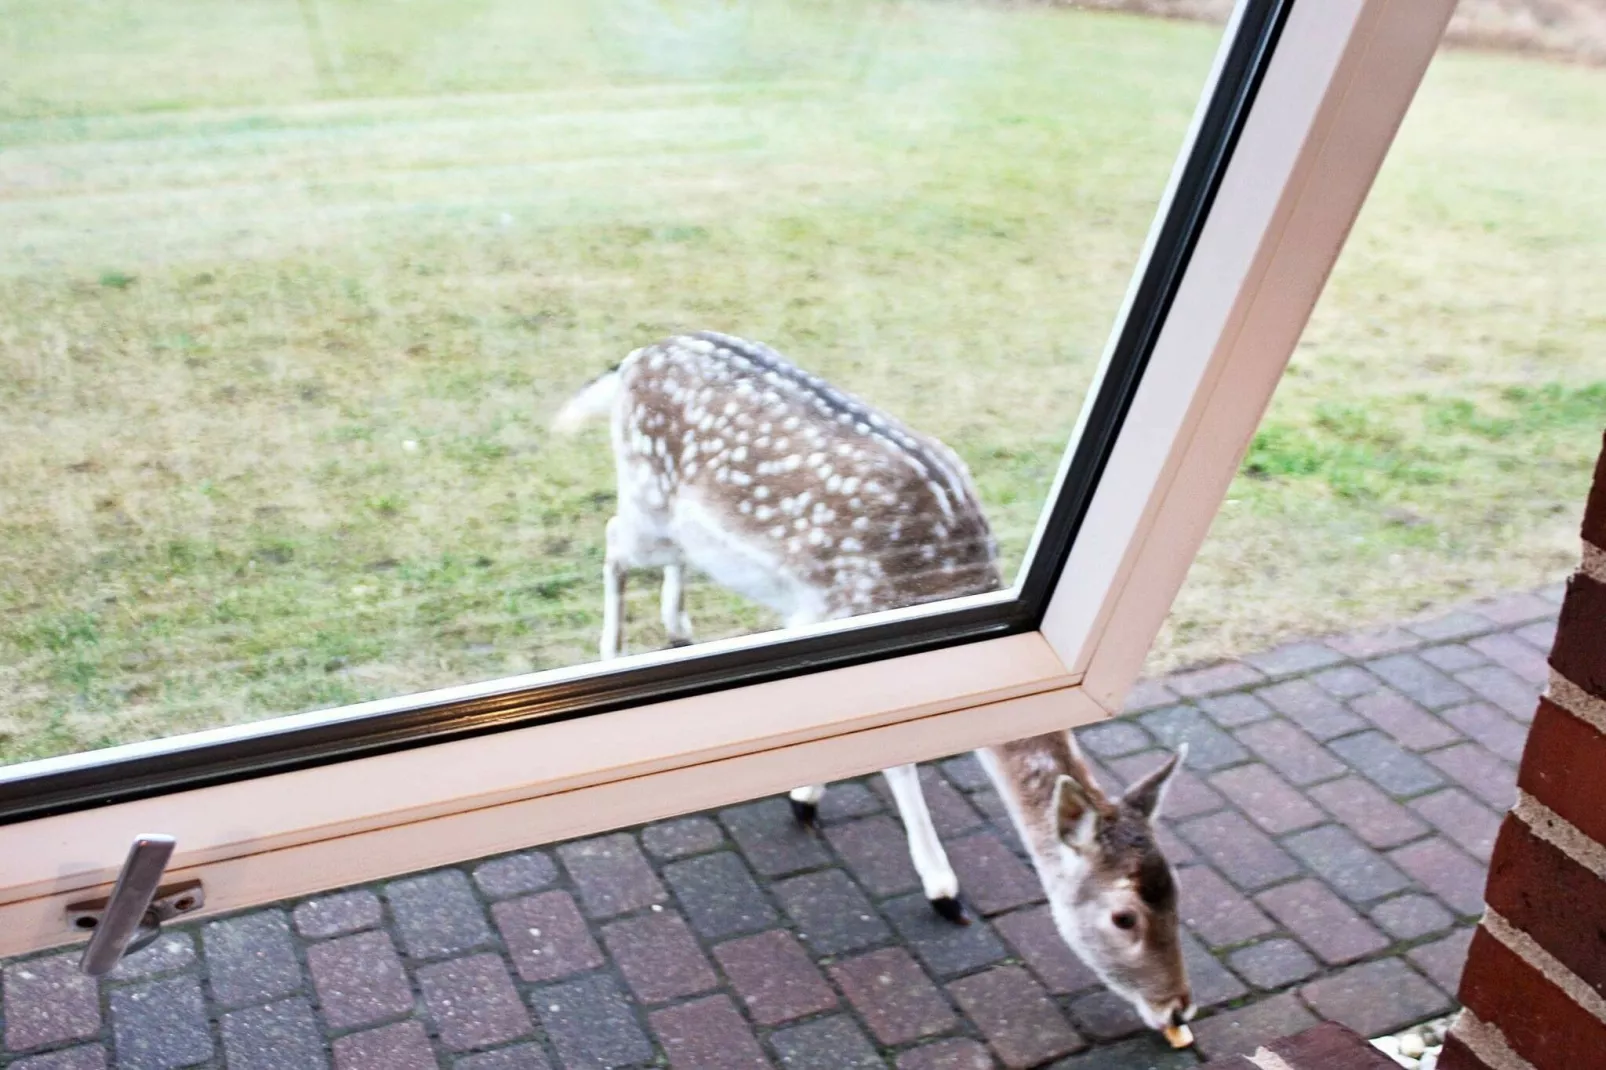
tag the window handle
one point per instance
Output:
(131, 918)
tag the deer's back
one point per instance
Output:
(793, 474)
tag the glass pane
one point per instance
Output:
(1432, 442)
(290, 294)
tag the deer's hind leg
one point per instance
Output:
(631, 543)
(676, 623)
(937, 876)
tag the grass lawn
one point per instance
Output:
(289, 291)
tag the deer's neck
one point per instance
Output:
(1025, 773)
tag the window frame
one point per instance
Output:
(1303, 103)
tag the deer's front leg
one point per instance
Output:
(614, 567)
(937, 877)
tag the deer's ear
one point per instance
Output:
(1147, 794)
(1076, 812)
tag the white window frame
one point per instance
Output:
(1332, 97)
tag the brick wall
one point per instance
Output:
(1534, 988)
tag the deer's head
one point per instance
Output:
(1113, 895)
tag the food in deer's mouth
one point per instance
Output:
(1180, 1036)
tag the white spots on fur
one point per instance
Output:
(739, 454)
(778, 531)
(851, 545)
(860, 523)
(761, 493)
(850, 484)
(745, 507)
(763, 512)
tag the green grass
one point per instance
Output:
(289, 292)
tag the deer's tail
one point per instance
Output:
(595, 399)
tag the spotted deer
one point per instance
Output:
(733, 461)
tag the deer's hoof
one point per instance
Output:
(676, 643)
(807, 813)
(950, 908)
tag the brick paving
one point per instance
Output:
(1331, 836)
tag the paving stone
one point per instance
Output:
(877, 851)
(682, 837)
(1267, 799)
(1350, 867)
(1512, 653)
(1208, 746)
(1443, 959)
(965, 772)
(833, 1043)
(1021, 1024)
(1287, 749)
(612, 875)
(403, 1046)
(1240, 851)
(1419, 680)
(591, 1024)
(1443, 870)
(708, 1034)
(1479, 772)
(1235, 708)
(1272, 964)
(1371, 644)
(1292, 659)
(844, 802)
(1175, 851)
(1409, 917)
(337, 915)
(1541, 635)
(160, 1025)
(946, 949)
(518, 1057)
(1346, 681)
(1409, 724)
(1216, 911)
(1036, 940)
(774, 977)
(1148, 695)
(830, 914)
(893, 996)
(546, 937)
(1111, 739)
(473, 1002)
(991, 878)
(1227, 676)
(659, 957)
(88, 1057)
(960, 1053)
(250, 959)
(359, 979)
(1375, 997)
(1322, 921)
(1516, 608)
(1462, 818)
(1452, 658)
(1139, 1053)
(1186, 796)
(437, 914)
(1311, 708)
(1458, 625)
(172, 951)
(1212, 983)
(274, 1037)
(1485, 724)
(773, 840)
(520, 874)
(951, 813)
(1243, 1029)
(1504, 688)
(1368, 813)
(1103, 1015)
(1387, 764)
(719, 895)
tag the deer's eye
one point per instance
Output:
(1125, 920)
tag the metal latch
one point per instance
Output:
(131, 918)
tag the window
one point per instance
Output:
(1275, 164)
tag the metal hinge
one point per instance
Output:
(131, 918)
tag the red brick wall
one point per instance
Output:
(1535, 982)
